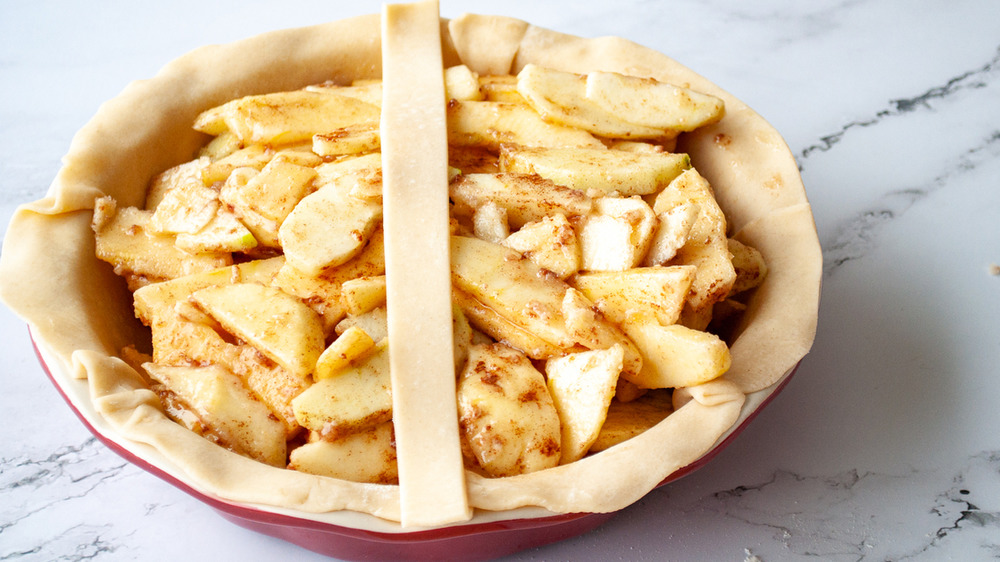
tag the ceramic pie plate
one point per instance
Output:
(49, 250)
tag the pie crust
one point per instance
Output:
(80, 313)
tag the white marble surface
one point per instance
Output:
(885, 446)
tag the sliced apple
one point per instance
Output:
(561, 97)
(327, 228)
(277, 324)
(185, 208)
(582, 386)
(276, 190)
(367, 456)
(489, 124)
(234, 414)
(489, 222)
(324, 292)
(661, 291)
(349, 346)
(123, 240)
(180, 341)
(368, 91)
(157, 298)
(353, 139)
(520, 304)
(650, 103)
(362, 294)
(461, 333)
(224, 233)
(472, 160)
(254, 157)
(286, 117)
(188, 172)
(356, 399)
(625, 420)
(601, 171)
(592, 331)
(526, 198)
(506, 415)
(461, 83)
(373, 322)
(500, 88)
(512, 286)
(266, 199)
(617, 235)
(358, 176)
(490, 322)
(706, 247)
(300, 154)
(221, 146)
(672, 229)
(677, 356)
(550, 243)
(749, 265)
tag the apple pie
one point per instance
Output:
(632, 259)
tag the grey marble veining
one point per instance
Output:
(886, 444)
(981, 77)
(854, 237)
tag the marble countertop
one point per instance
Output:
(886, 444)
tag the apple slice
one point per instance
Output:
(489, 124)
(224, 233)
(368, 91)
(461, 83)
(678, 356)
(158, 298)
(324, 293)
(605, 171)
(327, 228)
(526, 198)
(353, 344)
(285, 117)
(275, 323)
(582, 386)
(358, 176)
(650, 103)
(172, 177)
(362, 294)
(184, 208)
(502, 87)
(352, 139)
(561, 98)
(368, 456)
(518, 302)
(550, 243)
(672, 229)
(356, 399)
(508, 420)
(234, 414)
(617, 235)
(625, 420)
(253, 157)
(276, 190)
(706, 246)
(123, 239)
(185, 335)
(511, 286)
(619, 294)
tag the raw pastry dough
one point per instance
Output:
(418, 271)
(80, 312)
